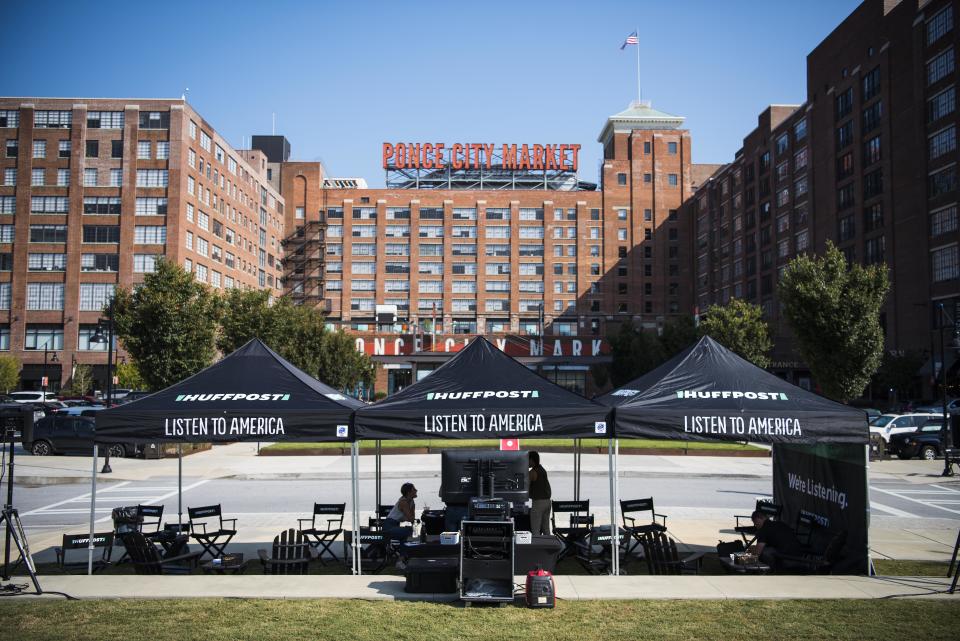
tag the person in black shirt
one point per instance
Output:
(540, 495)
(774, 539)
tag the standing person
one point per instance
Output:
(403, 511)
(540, 495)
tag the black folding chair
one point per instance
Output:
(745, 527)
(579, 526)
(101, 540)
(152, 516)
(213, 541)
(376, 522)
(636, 532)
(323, 538)
(375, 551)
(594, 552)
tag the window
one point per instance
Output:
(426, 213)
(647, 178)
(646, 147)
(53, 119)
(672, 180)
(430, 231)
(871, 151)
(845, 196)
(873, 184)
(46, 262)
(189, 240)
(845, 165)
(152, 177)
(49, 204)
(497, 286)
(6, 233)
(530, 233)
(13, 149)
(464, 249)
(460, 213)
(145, 263)
(783, 144)
(800, 186)
(10, 118)
(802, 240)
(143, 150)
(942, 104)
(530, 213)
(871, 84)
(101, 205)
(116, 177)
(871, 116)
(844, 104)
(40, 336)
(939, 25)
(874, 250)
(496, 269)
(5, 299)
(672, 148)
(8, 204)
(531, 286)
(105, 120)
(430, 287)
(45, 296)
(193, 130)
(497, 250)
(943, 142)
(621, 179)
(945, 265)
(943, 221)
(99, 262)
(48, 233)
(940, 67)
(89, 177)
(116, 149)
(63, 177)
(155, 120)
(873, 217)
(464, 287)
(846, 229)
(39, 148)
(531, 250)
(942, 182)
(37, 178)
(10, 176)
(157, 207)
(497, 213)
(496, 305)
(201, 273)
(203, 221)
(363, 249)
(844, 135)
(101, 233)
(93, 148)
(434, 249)
(621, 234)
(150, 234)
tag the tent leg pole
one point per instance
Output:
(379, 476)
(576, 496)
(179, 487)
(93, 510)
(613, 546)
(615, 541)
(357, 570)
(866, 480)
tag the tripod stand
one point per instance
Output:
(11, 518)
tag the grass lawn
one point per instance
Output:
(894, 567)
(265, 620)
(527, 443)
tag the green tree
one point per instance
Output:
(834, 311)
(168, 325)
(635, 352)
(80, 381)
(248, 314)
(739, 326)
(128, 376)
(898, 371)
(678, 334)
(9, 372)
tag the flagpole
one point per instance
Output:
(639, 93)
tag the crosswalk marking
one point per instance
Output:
(903, 496)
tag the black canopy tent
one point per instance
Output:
(252, 394)
(481, 393)
(708, 393)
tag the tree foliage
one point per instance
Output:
(298, 333)
(834, 311)
(168, 325)
(635, 352)
(739, 326)
(898, 371)
(128, 376)
(80, 381)
(9, 373)
(678, 334)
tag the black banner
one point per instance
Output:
(825, 486)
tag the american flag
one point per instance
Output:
(631, 40)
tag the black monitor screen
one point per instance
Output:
(460, 469)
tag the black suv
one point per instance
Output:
(924, 442)
(65, 434)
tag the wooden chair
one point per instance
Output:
(214, 542)
(580, 524)
(660, 552)
(636, 531)
(745, 527)
(323, 538)
(102, 540)
(148, 559)
(594, 554)
(291, 554)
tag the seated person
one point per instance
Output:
(403, 511)
(774, 539)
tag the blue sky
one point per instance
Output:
(344, 77)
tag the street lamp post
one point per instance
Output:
(945, 432)
(46, 353)
(98, 337)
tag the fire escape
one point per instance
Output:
(303, 265)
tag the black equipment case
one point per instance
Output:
(438, 576)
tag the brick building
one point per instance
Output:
(867, 162)
(495, 250)
(92, 192)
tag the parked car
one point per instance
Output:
(937, 408)
(872, 412)
(68, 434)
(886, 425)
(923, 442)
(134, 395)
(82, 410)
(32, 397)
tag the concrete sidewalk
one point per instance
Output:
(571, 588)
